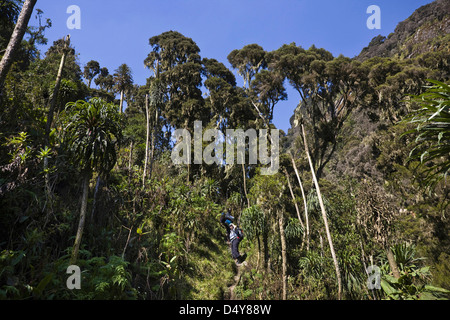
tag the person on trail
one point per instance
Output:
(226, 219)
(236, 237)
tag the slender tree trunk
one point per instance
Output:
(304, 201)
(128, 241)
(146, 141)
(324, 216)
(152, 151)
(265, 238)
(190, 158)
(51, 113)
(245, 184)
(130, 159)
(321, 244)
(121, 102)
(392, 262)
(188, 173)
(293, 199)
(16, 38)
(84, 200)
(54, 97)
(283, 253)
(94, 204)
(259, 252)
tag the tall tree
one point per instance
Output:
(264, 88)
(16, 38)
(104, 80)
(157, 100)
(293, 198)
(248, 61)
(305, 205)
(324, 215)
(175, 60)
(91, 70)
(221, 84)
(147, 140)
(91, 134)
(123, 80)
(9, 12)
(176, 63)
(267, 90)
(51, 111)
(328, 88)
(64, 52)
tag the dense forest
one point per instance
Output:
(358, 208)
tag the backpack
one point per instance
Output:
(239, 233)
(226, 217)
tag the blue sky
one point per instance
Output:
(115, 32)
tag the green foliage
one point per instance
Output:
(9, 262)
(432, 131)
(413, 281)
(92, 132)
(253, 221)
(104, 279)
(293, 230)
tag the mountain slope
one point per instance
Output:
(427, 29)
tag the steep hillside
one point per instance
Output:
(370, 145)
(427, 29)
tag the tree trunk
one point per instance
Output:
(293, 199)
(146, 141)
(324, 216)
(16, 38)
(245, 184)
(130, 161)
(54, 97)
(51, 112)
(152, 151)
(259, 252)
(128, 241)
(392, 262)
(304, 201)
(84, 200)
(94, 204)
(265, 238)
(121, 102)
(283, 253)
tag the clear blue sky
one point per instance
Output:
(115, 32)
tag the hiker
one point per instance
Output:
(236, 236)
(226, 219)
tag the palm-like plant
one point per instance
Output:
(254, 224)
(432, 122)
(123, 80)
(91, 134)
(414, 277)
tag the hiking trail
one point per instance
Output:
(237, 279)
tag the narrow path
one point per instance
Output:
(237, 278)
